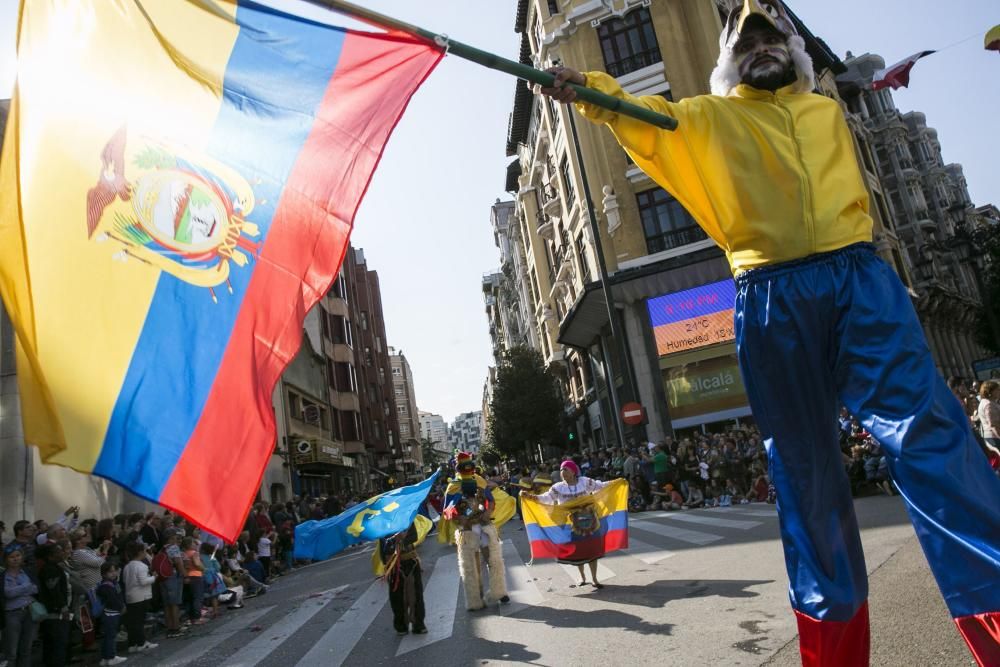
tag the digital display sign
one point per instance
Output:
(693, 318)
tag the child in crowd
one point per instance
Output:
(213, 584)
(264, 545)
(110, 596)
(139, 580)
(229, 579)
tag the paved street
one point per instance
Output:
(705, 587)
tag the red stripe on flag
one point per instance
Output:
(219, 473)
(582, 550)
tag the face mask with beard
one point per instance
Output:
(763, 60)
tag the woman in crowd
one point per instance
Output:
(54, 594)
(19, 627)
(139, 580)
(85, 562)
(989, 415)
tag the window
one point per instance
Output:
(553, 7)
(404, 429)
(629, 43)
(338, 289)
(377, 429)
(364, 320)
(665, 222)
(368, 356)
(567, 182)
(399, 392)
(345, 377)
(397, 371)
(553, 114)
(401, 409)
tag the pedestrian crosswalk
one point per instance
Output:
(327, 628)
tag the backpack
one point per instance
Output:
(96, 604)
(161, 565)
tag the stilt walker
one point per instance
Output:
(768, 169)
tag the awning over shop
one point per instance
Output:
(589, 315)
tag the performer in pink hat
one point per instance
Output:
(572, 486)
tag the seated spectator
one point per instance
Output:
(229, 578)
(669, 498)
(758, 492)
(877, 468)
(695, 498)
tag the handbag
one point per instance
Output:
(38, 611)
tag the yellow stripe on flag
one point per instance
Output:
(86, 68)
(612, 498)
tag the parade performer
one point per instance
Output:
(768, 169)
(470, 505)
(396, 561)
(573, 485)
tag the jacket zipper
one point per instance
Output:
(807, 212)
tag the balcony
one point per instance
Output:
(675, 239)
(634, 62)
(544, 226)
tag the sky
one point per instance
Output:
(425, 226)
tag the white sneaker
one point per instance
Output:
(148, 646)
(134, 649)
(117, 660)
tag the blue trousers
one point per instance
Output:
(839, 329)
(109, 640)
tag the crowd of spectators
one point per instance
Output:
(70, 584)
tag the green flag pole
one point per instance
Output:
(494, 61)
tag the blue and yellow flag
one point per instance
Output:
(387, 514)
(178, 185)
(582, 529)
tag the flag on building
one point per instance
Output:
(179, 181)
(898, 75)
(583, 529)
(381, 516)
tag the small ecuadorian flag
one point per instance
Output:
(582, 529)
(178, 184)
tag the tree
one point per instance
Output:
(526, 407)
(432, 457)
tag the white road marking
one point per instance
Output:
(195, 649)
(338, 642)
(441, 602)
(647, 553)
(273, 636)
(673, 532)
(712, 521)
(520, 585)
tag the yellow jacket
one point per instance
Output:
(770, 177)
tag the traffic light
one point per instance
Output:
(572, 436)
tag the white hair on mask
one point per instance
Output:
(726, 75)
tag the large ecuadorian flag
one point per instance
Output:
(582, 529)
(179, 180)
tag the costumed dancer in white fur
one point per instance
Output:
(469, 503)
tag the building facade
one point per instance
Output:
(408, 416)
(929, 203)
(334, 404)
(466, 432)
(661, 268)
(434, 430)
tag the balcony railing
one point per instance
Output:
(675, 239)
(634, 62)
